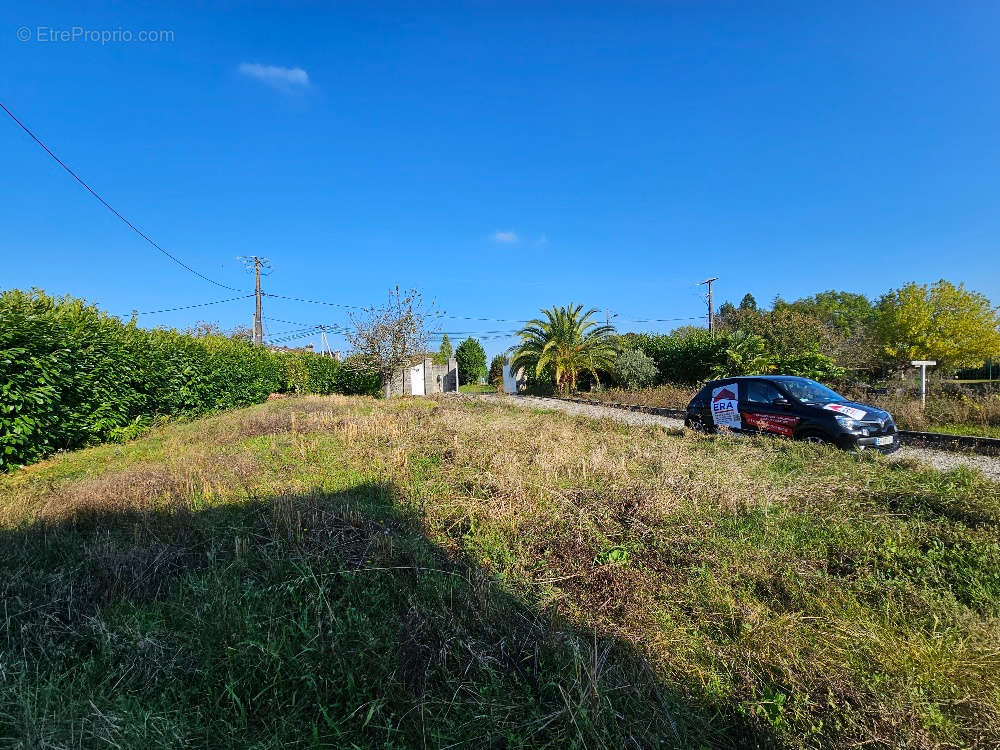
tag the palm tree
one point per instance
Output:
(746, 354)
(566, 340)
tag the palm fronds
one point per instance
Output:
(566, 340)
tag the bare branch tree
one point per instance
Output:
(388, 338)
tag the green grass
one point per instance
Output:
(983, 430)
(476, 388)
(333, 572)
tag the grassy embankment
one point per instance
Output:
(977, 414)
(413, 573)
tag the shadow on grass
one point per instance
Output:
(322, 620)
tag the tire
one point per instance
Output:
(816, 438)
(701, 427)
(695, 424)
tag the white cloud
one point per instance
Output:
(509, 237)
(277, 76)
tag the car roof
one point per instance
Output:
(759, 377)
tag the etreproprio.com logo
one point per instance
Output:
(73, 34)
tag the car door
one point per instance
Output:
(724, 405)
(766, 408)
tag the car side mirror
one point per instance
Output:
(782, 401)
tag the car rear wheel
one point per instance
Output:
(694, 424)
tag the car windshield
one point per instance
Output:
(810, 392)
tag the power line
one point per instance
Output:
(659, 320)
(488, 320)
(313, 301)
(467, 317)
(300, 323)
(200, 304)
(359, 307)
(111, 208)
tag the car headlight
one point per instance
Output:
(847, 423)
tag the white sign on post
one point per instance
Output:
(923, 364)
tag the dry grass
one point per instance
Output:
(945, 407)
(774, 590)
(949, 406)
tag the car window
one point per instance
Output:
(701, 400)
(762, 392)
(810, 392)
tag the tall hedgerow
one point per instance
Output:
(72, 375)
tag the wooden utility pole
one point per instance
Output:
(258, 322)
(711, 304)
(257, 263)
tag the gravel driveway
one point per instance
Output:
(943, 460)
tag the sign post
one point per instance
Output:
(922, 364)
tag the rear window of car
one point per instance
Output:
(701, 400)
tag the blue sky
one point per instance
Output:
(501, 157)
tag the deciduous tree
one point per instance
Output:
(388, 338)
(950, 324)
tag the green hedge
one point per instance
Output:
(697, 356)
(681, 359)
(72, 375)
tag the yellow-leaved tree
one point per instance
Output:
(950, 324)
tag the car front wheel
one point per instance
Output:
(817, 438)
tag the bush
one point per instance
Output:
(496, 371)
(809, 365)
(471, 361)
(687, 358)
(353, 378)
(634, 369)
(72, 375)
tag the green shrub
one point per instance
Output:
(635, 369)
(72, 375)
(810, 364)
(353, 378)
(496, 371)
(471, 361)
(687, 358)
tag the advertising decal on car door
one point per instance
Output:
(848, 411)
(725, 406)
(780, 424)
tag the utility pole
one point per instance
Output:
(258, 322)
(325, 343)
(711, 304)
(257, 263)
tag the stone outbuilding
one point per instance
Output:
(424, 378)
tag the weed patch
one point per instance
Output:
(341, 571)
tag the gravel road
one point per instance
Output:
(943, 460)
